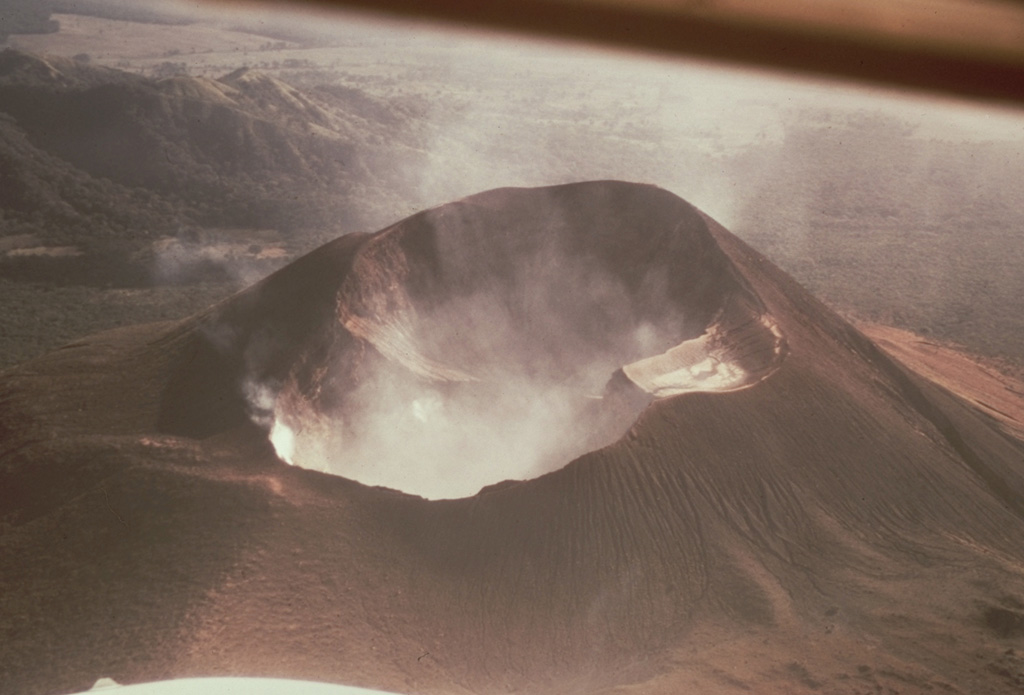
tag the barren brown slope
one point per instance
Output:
(990, 388)
(840, 525)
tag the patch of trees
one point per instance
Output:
(41, 317)
(224, 164)
(26, 17)
(109, 163)
(124, 10)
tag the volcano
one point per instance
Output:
(569, 439)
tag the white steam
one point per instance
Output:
(283, 439)
(449, 440)
(505, 382)
(239, 256)
(444, 440)
(412, 437)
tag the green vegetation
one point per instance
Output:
(38, 317)
(26, 17)
(113, 9)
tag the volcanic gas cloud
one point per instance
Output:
(495, 339)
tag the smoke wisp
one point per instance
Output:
(501, 337)
(481, 356)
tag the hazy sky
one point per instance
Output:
(720, 88)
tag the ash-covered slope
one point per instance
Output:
(827, 521)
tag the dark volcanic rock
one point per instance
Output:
(833, 522)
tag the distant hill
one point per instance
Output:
(101, 159)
